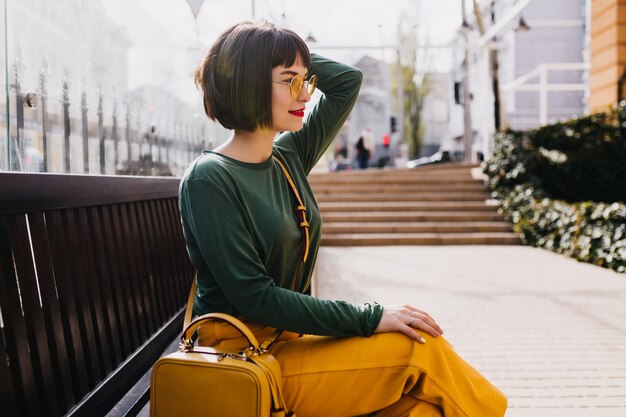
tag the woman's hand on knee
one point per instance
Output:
(406, 319)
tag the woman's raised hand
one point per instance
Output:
(406, 319)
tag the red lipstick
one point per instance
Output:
(297, 113)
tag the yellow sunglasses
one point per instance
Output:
(297, 84)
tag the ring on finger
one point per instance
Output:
(411, 321)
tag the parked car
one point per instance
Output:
(436, 158)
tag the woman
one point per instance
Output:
(244, 238)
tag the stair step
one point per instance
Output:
(415, 227)
(414, 216)
(441, 169)
(378, 197)
(444, 204)
(439, 180)
(392, 174)
(406, 206)
(395, 188)
(384, 239)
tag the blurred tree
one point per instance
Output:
(500, 119)
(415, 85)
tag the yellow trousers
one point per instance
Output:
(385, 375)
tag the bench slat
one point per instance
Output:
(15, 335)
(79, 278)
(103, 272)
(167, 298)
(107, 394)
(95, 297)
(155, 294)
(115, 275)
(41, 359)
(130, 243)
(7, 392)
(126, 277)
(184, 276)
(141, 272)
(67, 303)
(187, 270)
(166, 248)
(183, 283)
(118, 279)
(52, 312)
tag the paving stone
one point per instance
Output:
(550, 332)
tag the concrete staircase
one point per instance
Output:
(434, 205)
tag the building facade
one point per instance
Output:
(542, 74)
(435, 116)
(608, 53)
(371, 115)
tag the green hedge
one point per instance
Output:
(578, 160)
(563, 186)
(588, 231)
(582, 159)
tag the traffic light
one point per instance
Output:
(386, 140)
(393, 124)
(457, 93)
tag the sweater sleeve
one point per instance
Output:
(339, 84)
(220, 230)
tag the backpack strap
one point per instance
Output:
(300, 211)
(190, 302)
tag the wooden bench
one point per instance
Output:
(94, 276)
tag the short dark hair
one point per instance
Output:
(236, 73)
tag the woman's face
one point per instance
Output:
(287, 111)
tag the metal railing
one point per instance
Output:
(543, 87)
(56, 134)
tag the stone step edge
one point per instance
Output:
(401, 171)
(398, 199)
(367, 228)
(398, 180)
(404, 215)
(395, 188)
(409, 210)
(441, 194)
(444, 224)
(450, 235)
(393, 204)
(419, 239)
(419, 219)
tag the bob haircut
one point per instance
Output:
(236, 74)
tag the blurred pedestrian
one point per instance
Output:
(362, 154)
(340, 162)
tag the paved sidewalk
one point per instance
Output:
(550, 332)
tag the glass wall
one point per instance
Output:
(4, 90)
(69, 105)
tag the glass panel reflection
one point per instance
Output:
(70, 106)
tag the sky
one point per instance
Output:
(167, 42)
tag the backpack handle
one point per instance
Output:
(186, 342)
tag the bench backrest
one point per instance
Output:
(91, 270)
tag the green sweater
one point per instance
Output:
(241, 229)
